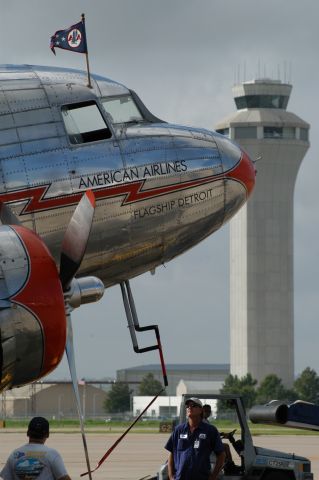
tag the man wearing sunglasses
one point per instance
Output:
(190, 446)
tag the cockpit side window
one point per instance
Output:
(122, 109)
(84, 123)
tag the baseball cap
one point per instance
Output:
(194, 400)
(38, 427)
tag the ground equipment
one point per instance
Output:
(244, 459)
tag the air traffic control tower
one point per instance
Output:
(261, 234)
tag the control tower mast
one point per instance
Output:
(261, 234)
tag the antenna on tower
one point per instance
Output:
(285, 71)
(290, 72)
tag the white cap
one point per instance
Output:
(194, 400)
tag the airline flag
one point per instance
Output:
(73, 39)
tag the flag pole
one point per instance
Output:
(86, 53)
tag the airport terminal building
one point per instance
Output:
(201, 372)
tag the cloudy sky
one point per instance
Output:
(181, 57)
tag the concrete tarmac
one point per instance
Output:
(139, 455)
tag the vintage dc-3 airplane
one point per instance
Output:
(157, 189)
(67, 151)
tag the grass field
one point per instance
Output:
(150, 426)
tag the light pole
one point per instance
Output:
(84, 398)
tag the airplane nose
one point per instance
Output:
(237, 164)
(245, 172)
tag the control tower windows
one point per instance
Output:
(223, 131)
(280, 132)
(245, 132)
(289, 132)
(272, 132)
(304, 134)
(262, 101)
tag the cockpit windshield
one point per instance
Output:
(122, 109)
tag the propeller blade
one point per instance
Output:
(76, 238)
(71, 361)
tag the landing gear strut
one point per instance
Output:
(134, 326)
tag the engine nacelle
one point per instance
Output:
(298, 414)
(32, 311)
(275, 412)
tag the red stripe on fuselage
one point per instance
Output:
(133, 191)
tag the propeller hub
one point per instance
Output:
(84, 290)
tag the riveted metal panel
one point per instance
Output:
(179, 130)
(145, 157)
(56, 75)
(8, 136)
(46, 144)
(4, 106)
(34, 132)
(202, 163)
(208, 157)
(13, 173)
(17, 72)
(68, 93)
(142, 151)
(33, 117)
(19, 84)
(20, 100)
(7, 151)
(49, 167)
(149, 143)
(182, 141)
(88, 161)
(6, 121)
(201, 202)
(149, 130)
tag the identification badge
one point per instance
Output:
(196, 444)
(183, 435)
(202, 435)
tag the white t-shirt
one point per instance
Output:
(34, 461)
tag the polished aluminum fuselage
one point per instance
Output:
(160, 188)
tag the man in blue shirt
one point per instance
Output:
(190, 446)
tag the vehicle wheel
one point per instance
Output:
(276, 476)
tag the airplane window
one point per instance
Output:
(122, 109)
(84, 123)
